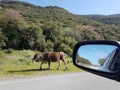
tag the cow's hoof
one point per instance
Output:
(67, 68)
(40, 68)
(58, 68)
(48, 69)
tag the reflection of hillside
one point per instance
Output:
(101, 61)
(83, 60)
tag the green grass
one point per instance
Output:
(15, 64)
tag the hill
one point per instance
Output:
(107, 19)
(26, 26)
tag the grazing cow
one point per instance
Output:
(49, 57)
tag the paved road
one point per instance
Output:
(74, 81)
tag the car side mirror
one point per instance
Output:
(99, 57)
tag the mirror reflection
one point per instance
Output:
(96, 56)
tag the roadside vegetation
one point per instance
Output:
(26, 26)
(18, 63)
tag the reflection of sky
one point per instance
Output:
(95, 52)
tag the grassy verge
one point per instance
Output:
(15, 64)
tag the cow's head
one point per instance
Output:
(37, 57)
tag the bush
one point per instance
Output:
(65, 49)
(15, 57)
(24, 61)
(8, 51)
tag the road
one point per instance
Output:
(73, 81)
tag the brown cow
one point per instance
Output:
(49, 57)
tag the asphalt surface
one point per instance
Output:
(73, 81)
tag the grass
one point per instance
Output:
(15, 64)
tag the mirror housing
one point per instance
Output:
(112, 75)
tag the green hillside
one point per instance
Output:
(107, 19)
(26, 26)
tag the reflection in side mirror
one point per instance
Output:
(98, 57)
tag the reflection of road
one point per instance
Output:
(94, 67)
(74, 81)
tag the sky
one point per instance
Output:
(82, 7)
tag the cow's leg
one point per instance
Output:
(41, 65)
(65, 64)
(48, 64)
(58, 65)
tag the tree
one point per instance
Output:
(49, 46)
(13, 24)
(101, 61)
(64, 48)
(3, 39)
(32, 38)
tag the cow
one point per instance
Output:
(49, 57)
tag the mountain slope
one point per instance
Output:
(43, 14)
(107, 19)
(26, 26)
